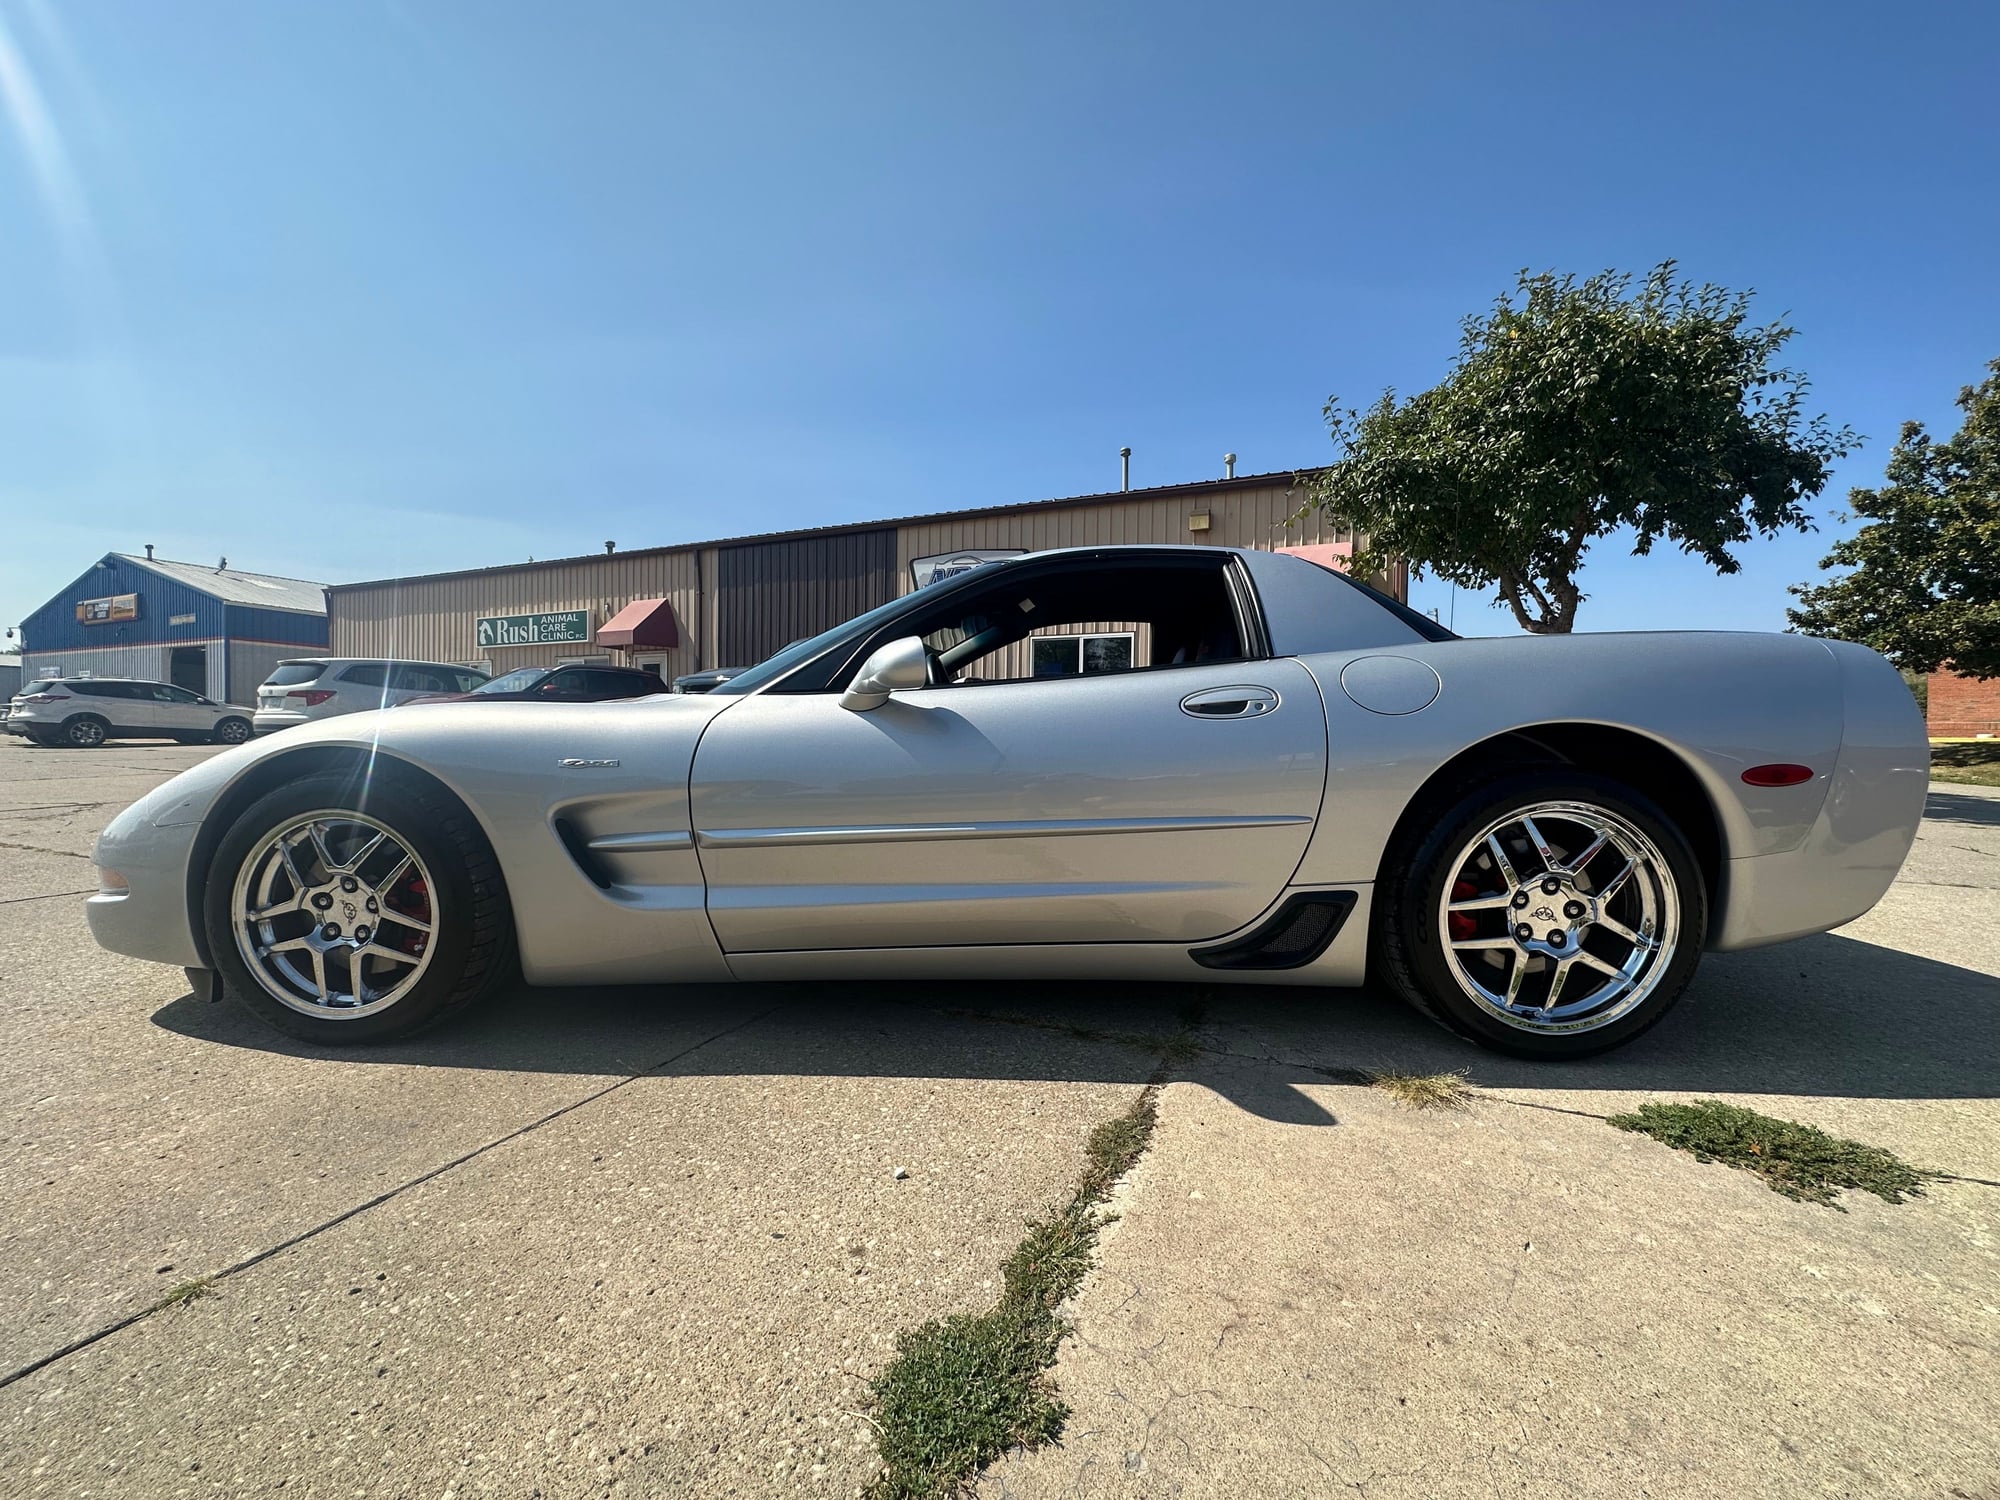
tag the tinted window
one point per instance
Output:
(367, 674)
(42, 685)
(615, 685)
(518, 681)
(468, 681)
(420, 680)
(104, 689)
(292, 673)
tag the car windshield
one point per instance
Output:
(774, 667)
(514, 682)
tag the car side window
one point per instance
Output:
(367, 674)
(1086, 622)
(406, 679)
(467, 681)
(167, 693)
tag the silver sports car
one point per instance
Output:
(1174, 763)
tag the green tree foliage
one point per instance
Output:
(1576, 409)
(1925, 590)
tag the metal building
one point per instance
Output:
(216, 630)
(733, 602)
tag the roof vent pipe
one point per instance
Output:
(1125, 468)
(609, 548)
(149, 552)
(1229, 466)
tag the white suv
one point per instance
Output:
(87, 711)
(319, 687)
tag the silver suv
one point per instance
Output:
(86, 711)
(319, 687)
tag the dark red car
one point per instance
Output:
(559, 685)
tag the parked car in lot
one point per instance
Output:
(577, 684)
(82, 712)
(1286, 778)
(308, 688)
(706, 682)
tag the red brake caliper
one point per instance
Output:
(413, 900)
(1462, 923)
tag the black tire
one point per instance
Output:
(471, 948)
(84, 731)
(1410, 949)
(231, 731)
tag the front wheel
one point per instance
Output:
(232, 731)
(1551, 914)
(339, 914)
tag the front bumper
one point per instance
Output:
(151, 918)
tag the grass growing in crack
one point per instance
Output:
(963, 1390)
(1796, 1160)
(184, 1294)
(1423, 1090)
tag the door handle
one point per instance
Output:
(1229, 703)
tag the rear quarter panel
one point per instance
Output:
(1721, 702)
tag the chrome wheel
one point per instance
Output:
(1559, 918)
(334, 913)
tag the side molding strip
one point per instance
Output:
(904, 833)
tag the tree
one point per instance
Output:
(1572, 411)
(1925, 590)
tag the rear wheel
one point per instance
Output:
(341, 916)
(1550, 914)
(84, 732)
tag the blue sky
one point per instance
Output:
(352, 289)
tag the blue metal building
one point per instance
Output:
(212, 630)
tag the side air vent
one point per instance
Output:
(579, 850)
(1296, 933)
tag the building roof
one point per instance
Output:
(234, 586)
(1155, 492)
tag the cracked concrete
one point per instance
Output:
(1309, 1290)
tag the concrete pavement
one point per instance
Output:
(650, 1242)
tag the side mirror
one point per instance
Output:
(895, 668)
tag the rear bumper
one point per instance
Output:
(1865, 828)
(271, 720)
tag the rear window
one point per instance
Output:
(41, 686)
(292, 673)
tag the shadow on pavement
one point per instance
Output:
(1827, 1016)
(1962, 807)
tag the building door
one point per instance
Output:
(187, 667)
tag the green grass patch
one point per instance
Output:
(963, 1390)
(1423, 1090)
(1797, 1160)
(1973, 761)
(184, 1294)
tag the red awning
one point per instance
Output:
(642, 625)
(1328, 554)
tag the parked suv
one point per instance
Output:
(320, 687)
(578, 684)
(87, 711)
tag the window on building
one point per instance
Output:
(1074, 655)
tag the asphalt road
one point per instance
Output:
(651, 1242)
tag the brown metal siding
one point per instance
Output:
(781, 589)
(771, 593)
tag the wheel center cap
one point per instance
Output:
(1549, 915)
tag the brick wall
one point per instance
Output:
(1963, 705)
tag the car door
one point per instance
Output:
(177, 711)
(1165, 805)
